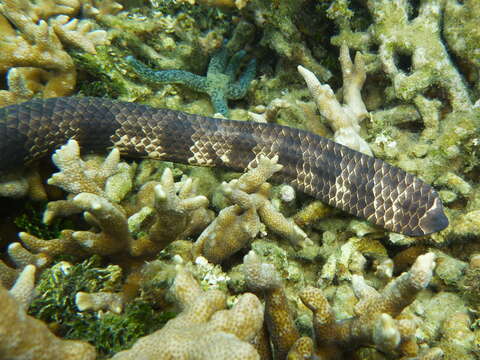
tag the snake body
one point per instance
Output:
(356, 183)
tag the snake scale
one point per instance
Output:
(356, 183)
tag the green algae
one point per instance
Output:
(109, 332)
(31, 222)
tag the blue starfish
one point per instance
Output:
(220, 82)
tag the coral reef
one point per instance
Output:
(410, 97)
(282, 32)
(419, 38)
(160, 213)
(219, 83)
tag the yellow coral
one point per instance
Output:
(32, 50)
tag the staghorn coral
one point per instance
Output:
(238, 224)
(17, 184)
(204, 329)
(219, 83)
(23, 288)
(344, 119)
(32, 48)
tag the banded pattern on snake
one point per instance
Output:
(356, 183)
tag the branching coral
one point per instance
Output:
(32, 48)
(219, 83)
(377, 322)
(418, 38)
(159, 213)
(204, 330)
(344, 119)
(263, 278)
(421, 104)
(238, 224)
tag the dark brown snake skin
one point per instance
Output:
(358, 184)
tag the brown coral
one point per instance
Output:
(263, 278)
(160, 213)
(375, 322)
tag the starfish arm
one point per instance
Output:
(219, 102)
(238, 89)
(234, 64)
(218, 62)
(186, 78)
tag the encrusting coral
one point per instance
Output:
(219, 83)
(462, 35)
(238, 224)
(418, 38)
(204, 330)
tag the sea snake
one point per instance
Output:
(356, 183)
